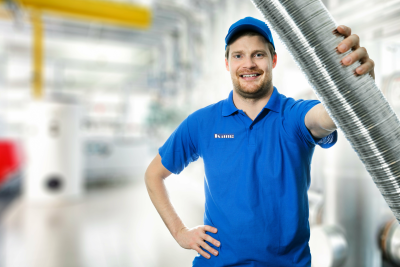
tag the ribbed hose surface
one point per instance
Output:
(355, 103)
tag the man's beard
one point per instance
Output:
(260, 92)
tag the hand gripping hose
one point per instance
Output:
(355, 103)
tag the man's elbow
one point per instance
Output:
(147, 175)
(155, 172)
(321, 133)
(319, 122)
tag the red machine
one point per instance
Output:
(10, 159)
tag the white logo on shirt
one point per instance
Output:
(224, 136)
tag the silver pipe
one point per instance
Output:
(315, 206)
(328, 245)
(355, 103)
(390, 242)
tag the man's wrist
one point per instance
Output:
(176, 233)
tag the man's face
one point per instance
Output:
(250, 65)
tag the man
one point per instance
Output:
(257, 147)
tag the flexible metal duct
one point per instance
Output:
(355, 103)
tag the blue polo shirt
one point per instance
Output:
(257, 174)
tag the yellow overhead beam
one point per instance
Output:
(104, 11)
(37, 60)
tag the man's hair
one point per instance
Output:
(248, 33)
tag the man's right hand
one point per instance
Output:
(195, 238)
(187, 238)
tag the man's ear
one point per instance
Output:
(274, 61)
(226, 64)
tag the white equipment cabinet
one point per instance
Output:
(54, 152)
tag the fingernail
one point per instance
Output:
(343, 47)
(208, 256)
(217, 244)
(347, 60)
(215, 253)
(359, 69)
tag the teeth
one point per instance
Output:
(249, 75)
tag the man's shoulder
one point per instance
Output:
(289, 104)
(208, 112)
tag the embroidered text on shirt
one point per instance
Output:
(224, 136)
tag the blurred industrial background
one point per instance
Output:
(89, 89)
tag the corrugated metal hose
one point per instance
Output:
(355, 103)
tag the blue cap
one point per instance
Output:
(249, 24)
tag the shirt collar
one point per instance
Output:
(228, 108)
(274, 103)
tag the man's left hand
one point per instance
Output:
(352, 41)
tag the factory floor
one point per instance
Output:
(110, 226)
(114, 224)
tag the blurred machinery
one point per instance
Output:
(329, 247)
(354, 212)
(390, 242)
(10, 158)
(114, 159)
(54, 151)
(156, 48)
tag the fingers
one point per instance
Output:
(367, 67)
(201, 252)
(359, 54)
(197, 237)
(211, 240)
(208, 238)
(344, 30)
(351, 42)
(208, 248)
(210, 229)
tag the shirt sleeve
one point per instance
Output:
(179, 149)
(297, 115)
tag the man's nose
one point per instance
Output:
(249, 63)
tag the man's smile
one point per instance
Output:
(249, 76)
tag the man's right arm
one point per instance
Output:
(193, 238)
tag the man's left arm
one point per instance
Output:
(317, 119)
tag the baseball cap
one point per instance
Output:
(249, 24)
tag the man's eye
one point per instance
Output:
(259, 55)
(236, 56)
